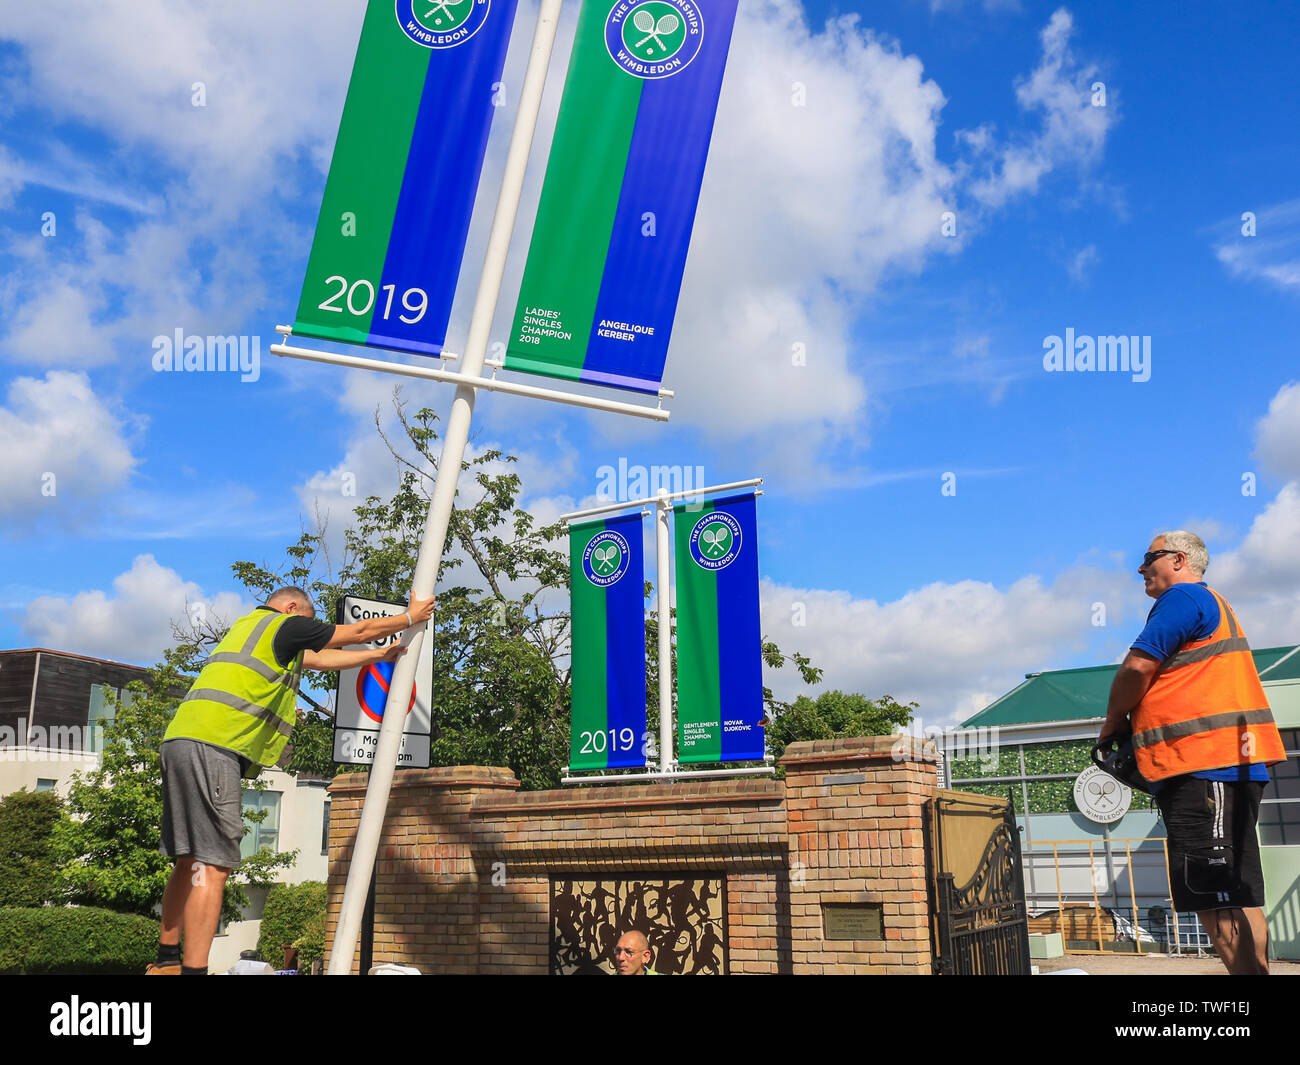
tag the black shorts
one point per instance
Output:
(1213, 846)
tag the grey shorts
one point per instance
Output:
(202, 803)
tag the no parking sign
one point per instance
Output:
(363, 695)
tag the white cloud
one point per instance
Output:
(54, 326)
(11, 179)
(68, 172)
(1081, 264)
(133, 623)
(1208, 529)
(937, 6)
(131, 67)
(1073, 131)
(62, 446)
(197, 258)
(1277, 434)
(1261, 576)
(968, 346)
(851, 189)
(1271, 254)
(951, 647)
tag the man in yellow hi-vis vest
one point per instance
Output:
(237, 715)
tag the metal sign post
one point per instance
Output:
(664, 615)
(380, 785)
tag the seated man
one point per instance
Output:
(632, 955)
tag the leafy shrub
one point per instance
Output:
(311, 944)
(284, 920)
(28, 870)
(84, 940)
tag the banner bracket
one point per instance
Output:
(476, 381)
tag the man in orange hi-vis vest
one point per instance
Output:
(1203, 735)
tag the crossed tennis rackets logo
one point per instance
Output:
(449, 19)
(654, 38)
(1104, 792)
(605, 560)
(666, 25)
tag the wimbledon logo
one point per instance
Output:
(441, 23)
(605, 560)
(655, 39)
(715, 540)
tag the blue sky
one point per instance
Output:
(818, 225)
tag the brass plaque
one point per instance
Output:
(851, 920)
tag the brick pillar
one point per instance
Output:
(854, 813)
(426, 905)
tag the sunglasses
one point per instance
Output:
(1151, 556)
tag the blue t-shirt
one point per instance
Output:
(1182, 614)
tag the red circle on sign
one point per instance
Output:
(372, 687)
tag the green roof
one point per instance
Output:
(1284, 667)
(1070, 694)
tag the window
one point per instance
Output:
(102, 712)
(325, 830)
(1279, 812)
(266, 833)
(44, 784)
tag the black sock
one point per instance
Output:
(194, 970)
(168, 953)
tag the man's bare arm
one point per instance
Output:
(421, 610)
(1135, 675)
(334, 659)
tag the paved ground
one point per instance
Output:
(1163, 965)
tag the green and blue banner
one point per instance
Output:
(719, 638)
(606, 581)
(609, 245)
(392, 226)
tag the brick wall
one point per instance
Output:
(466, 859)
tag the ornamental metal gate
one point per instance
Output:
(977, 891)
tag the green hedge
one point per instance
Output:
(28, 872)
(83, 940)
(289, 909)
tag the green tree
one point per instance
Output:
(500, 634)
(108, 847)
(501, 631)
(833, 714)
(27, 864)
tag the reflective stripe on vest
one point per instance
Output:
(1206, 708)
(243, 699)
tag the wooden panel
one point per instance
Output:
(16, 671)
(63, 688)
(1077, 923)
